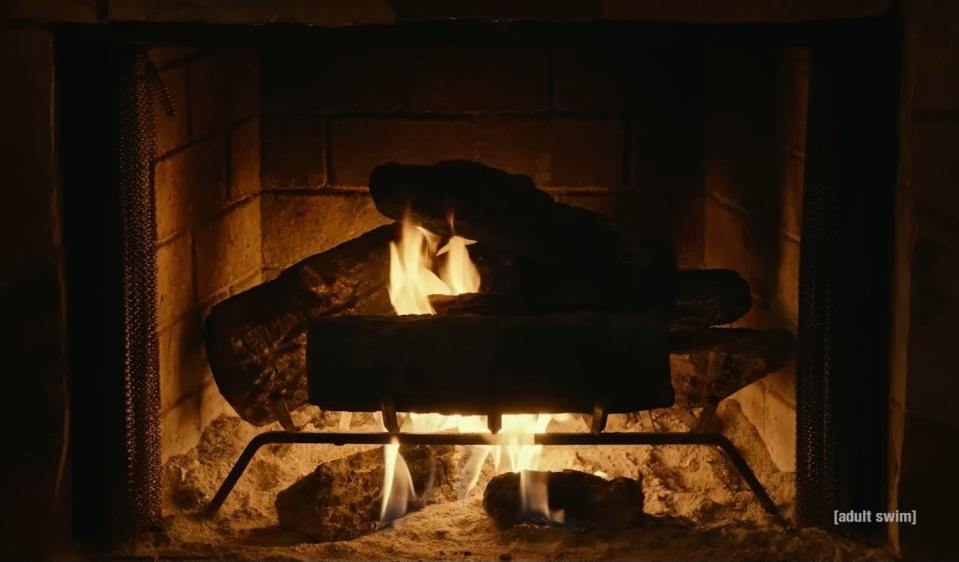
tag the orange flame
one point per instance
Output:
(412, 281)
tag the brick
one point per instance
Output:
(496, 10)
(406, 79)
(190, 186)
(224, 88)
(228, 249)
(556, 152)
(32, 346)
(935, 168)
(79, 11)
(294, 151)
(710, 11)
(785, 300)
(779, 432)
(934, 320)
(594, 80)
(326, 13)
(934, 36)
(211, 405)
(731, 243)
(171, 130)
(183, 367)
(244, 160)
(179, 427)
(28, 214)
(654, 215)
(360, 144)
(744, 145)
(794, 96)
(794, 170)
(299, 225)
(174, 280)
(928, 455)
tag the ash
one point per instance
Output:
(698, 509)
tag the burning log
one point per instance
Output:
(482, 364)
(701, 298)
(341, 499)
(575, 498)
(719, 361)
(256, 340)
(509, 214)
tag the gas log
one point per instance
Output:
(586, 501)
(483, 364)
(256, 340)
(701, 298)
(509, 214)
(716, 362)
(341, 499)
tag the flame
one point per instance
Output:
(412, 281)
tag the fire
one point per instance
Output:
(412, 281)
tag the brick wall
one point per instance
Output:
(925, 397)
(754, 174)
(574, 119)
(32, 338)
(207, 190)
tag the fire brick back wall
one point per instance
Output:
(755, 152)
(599, 127)
(207, 189)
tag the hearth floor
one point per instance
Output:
(697, 507)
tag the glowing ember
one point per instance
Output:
(412, 281)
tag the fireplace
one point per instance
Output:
(709, 205)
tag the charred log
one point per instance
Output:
(717, 362)
(584, 500)
(256, 340)
(481, 364)
(509, 214)
(708, 297)
(701, 298)
(341, 499)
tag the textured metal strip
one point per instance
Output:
(138, 286)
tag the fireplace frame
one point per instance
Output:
(106, 503)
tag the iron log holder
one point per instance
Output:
(596, 438)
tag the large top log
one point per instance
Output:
(701, 298)
(509, 214)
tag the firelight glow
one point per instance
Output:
(412, 281)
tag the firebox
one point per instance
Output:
(471, 287)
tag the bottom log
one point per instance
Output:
(341, 499)
(574, 498)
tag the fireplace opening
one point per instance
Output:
(505, 230)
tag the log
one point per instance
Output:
(256, 340)
(715, 363)
(701, 298)
(585, 501)
(482, 364)
(341, 499)
(509, 214)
